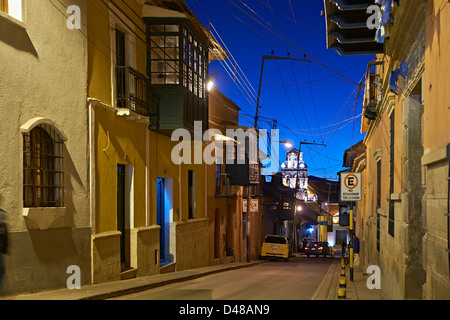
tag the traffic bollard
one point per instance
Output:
(342, 293)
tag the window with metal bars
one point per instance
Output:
(378, 184)
(378, 202)
(391, 176)
(43, 173)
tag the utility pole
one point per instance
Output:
(317, 144)
(261, 76)
(350, 245)
(256, 128)
(248, 223)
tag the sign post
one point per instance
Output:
(350, 190)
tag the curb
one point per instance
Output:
(119, 288)
(140, 288)
(327, 284)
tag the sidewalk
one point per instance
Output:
(355, 290)
(123, 287)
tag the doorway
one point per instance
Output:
(125, 211)
(164, 217)
(341, 236)
(160, 216)
(217, 234)
(121, 211)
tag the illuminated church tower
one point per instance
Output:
(295, 171)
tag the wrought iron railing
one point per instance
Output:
(132, 90)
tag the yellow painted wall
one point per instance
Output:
(162, 166)
(119, 141)
(99, 51)
(437, 83)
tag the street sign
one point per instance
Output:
(350, 186)
(253, 205)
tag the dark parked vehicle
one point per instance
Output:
(317, 248)
(304, 243)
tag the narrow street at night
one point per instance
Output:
(164, 150)
(297, 279)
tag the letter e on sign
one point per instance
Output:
(350, 186)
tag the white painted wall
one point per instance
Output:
(45, 76)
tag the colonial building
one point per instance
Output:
(44, 176)
(403, 218)
(227, 192)
(148, 79)
(125, 239)
(179, 49)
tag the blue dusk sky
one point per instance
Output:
(313, 101)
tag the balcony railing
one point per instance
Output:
(223, 185)
(131, 90)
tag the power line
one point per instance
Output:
(294, 46)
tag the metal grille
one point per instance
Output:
(223, 185)
(43, 175)
(379, 184)
(391, 177)
(132, 90)
(378, 202)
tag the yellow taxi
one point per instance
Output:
(275, 247)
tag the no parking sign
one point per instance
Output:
(350, 186)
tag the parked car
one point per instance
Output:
(275, 247)
(317, 248)
(304, 243)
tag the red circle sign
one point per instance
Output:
(351, 181)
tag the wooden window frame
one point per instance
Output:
(4, 6)
(43, 168)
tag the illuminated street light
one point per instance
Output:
(288, 144)
(211, 81)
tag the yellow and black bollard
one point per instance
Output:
(342, 283)
(342, 293)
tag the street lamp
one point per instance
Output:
(287, 144)
(210, 82)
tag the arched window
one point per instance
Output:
(43, 173)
